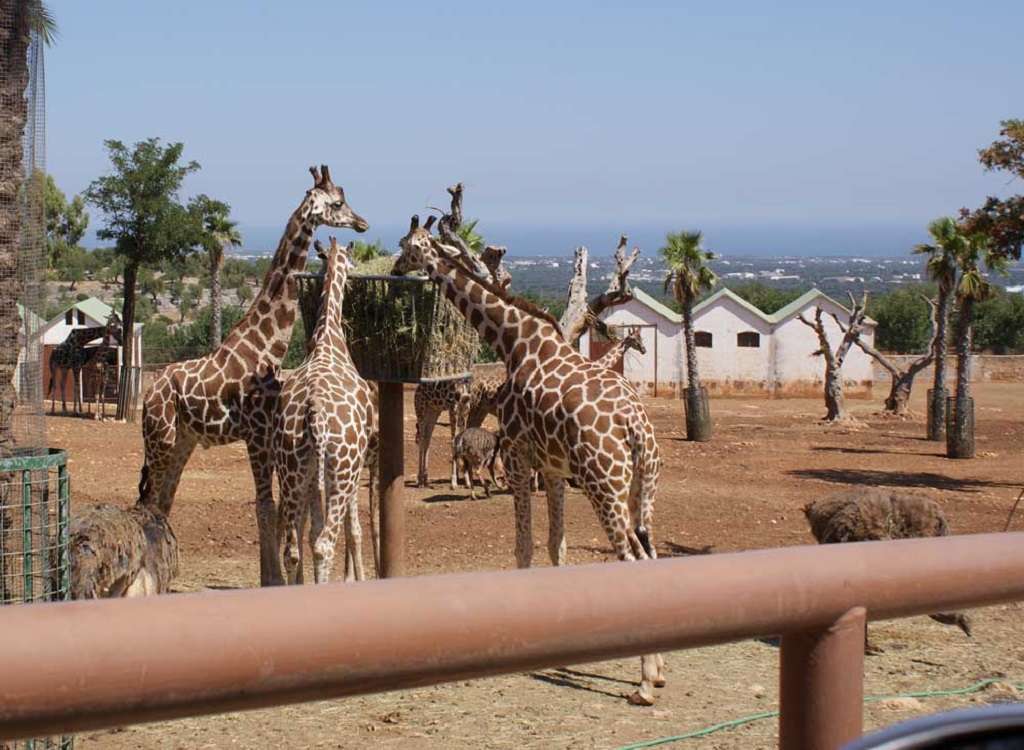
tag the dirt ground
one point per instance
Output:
(743, 490)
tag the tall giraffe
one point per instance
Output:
(229, 395)
(324, 423)
(560, 413)
(71, 354)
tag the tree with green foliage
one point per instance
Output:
(999, 323)
(187, 302)
(66, 222)
(19, 21)
(72, 266)
(143, 215)
(219, 232)
(1001, 220)
(244, 293)
(942, 267)
(904, 324)
(689, 276)
(972, 288)
(765, 298)
(364, 252)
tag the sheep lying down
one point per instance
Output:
(117, 552)
(870, 514)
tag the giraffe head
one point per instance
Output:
(416, 246)
(633, 340)
(113, 330)
(326, 202)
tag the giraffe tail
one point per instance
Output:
(645, 505)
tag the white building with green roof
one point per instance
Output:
(740, 349)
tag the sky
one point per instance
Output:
(786, 127)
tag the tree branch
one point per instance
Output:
(451, 244)
(579, 313)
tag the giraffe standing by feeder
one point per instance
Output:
(324, 424)
(560, 413)
(230, 394)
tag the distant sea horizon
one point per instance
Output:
(736, 240)
(752, 240)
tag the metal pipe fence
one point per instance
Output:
(192, 654)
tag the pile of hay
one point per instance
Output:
(399, 328)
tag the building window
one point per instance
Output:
(748, 338)
(702, 338)
(69, 317)
(81, 318)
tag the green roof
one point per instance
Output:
(95, 309)
(773, 319)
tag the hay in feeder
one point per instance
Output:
(399, 328)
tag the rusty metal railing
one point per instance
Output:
(88, 665)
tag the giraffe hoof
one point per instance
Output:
(659, 682)
(640, 699)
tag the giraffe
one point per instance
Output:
(467, 402)
(614, 356)
(323, 425)
(229, 394)
(72, 354)
(561, 413)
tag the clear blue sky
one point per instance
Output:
(638, 117)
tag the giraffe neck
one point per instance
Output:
(329, 331)
(81, 336)
(263, 334)
(501, 324)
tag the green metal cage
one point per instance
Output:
(35, 500)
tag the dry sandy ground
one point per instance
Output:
(743, 490)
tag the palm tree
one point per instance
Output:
(972, 288)
(20, 20)
(688, 277)
(219, 232)
(942, 268)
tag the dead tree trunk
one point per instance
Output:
(579, 312)
(488, 265)
(835, 405)
(897, 402)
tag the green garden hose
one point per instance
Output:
(976, 687)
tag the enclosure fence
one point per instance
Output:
(192, 654)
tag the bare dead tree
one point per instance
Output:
(834, 403)
(488, 265)
(579, 312)
(902, 379)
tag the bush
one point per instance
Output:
(904, 320)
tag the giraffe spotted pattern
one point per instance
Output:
(230, 394)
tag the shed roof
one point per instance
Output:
(780, 315)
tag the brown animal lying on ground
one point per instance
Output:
(870, 514)
(475, 447)
(117, 551)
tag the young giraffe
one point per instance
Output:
(614, 356)
(324, 424)
(561, 413)
(229, 395)
(71, 354)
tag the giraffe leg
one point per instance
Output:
(340, 482)
(424, 431)
(554, 488)
(353, 537)
(613, 510)
(260, 462)
(372, 453)
(519, 469)
(289, 521)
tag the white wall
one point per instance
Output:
(726, 363)
(637, 368)
(795, 344)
